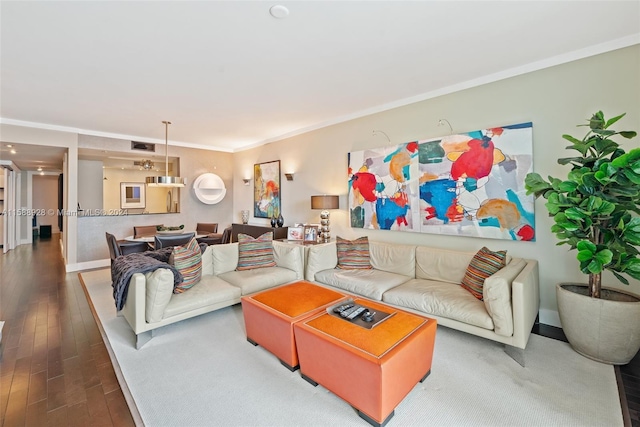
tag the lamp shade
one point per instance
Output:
(324, 202)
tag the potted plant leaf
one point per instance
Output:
(595, 210)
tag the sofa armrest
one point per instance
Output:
(496, 295)
(321, 257)
(135, 307)
(147, 297)
(289, 256)
(526, 303)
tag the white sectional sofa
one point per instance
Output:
(427, 281)
(152, 304)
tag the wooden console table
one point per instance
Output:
(257, 231)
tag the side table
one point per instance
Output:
(269, 316)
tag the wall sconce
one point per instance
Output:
(441, 122)
(376, 132)
(246, 181)
(289, 176)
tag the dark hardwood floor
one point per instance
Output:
(55, 369)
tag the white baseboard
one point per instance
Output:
(88, 265)
(549, 317)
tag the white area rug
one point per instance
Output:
(203, 372)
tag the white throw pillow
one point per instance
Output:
(288, 256)
(225, 258)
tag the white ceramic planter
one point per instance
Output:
(606, 330)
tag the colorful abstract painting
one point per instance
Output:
(383, 191)
(469, 184)
(266, 189)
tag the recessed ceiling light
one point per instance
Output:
(279, 11)
(9, 145)
(13, 151)
(39, 169)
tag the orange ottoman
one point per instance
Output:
(372, 369)
(269, 316)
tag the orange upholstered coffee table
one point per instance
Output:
(372, 369)
(269, 316)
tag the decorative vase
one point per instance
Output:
(245, 216)
(280, 221)
(274, 221)
(605, 329)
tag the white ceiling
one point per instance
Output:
(230, 76)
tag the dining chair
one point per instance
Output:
(144, 230)
(127, 247)
(114, 248)
(206, 227)
(210, 230)
(123, 247)
(172, 240)
(226, 235)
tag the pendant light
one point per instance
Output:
(166, 180)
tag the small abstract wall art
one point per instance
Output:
(469, 184)
(266, 189)
(132, 195)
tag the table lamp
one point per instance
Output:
(325, 203)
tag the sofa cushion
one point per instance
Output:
(211, 290)
(483, 264)
(369, 283)
(394, 258)
(353, 254)
(187, 260)
(224, 257)
(320, 257)
(441, 265)
(258, 279)
(255, 252)
(159, 288)
(207, 261)
(496, 294)
(440, 299)
(289, 256)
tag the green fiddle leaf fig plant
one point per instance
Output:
(595, 207)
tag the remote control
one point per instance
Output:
(342, 308)
(353, 312)
(348, 311)
(356, 313)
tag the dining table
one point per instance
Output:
(150, 239)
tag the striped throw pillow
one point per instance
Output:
(353, 254)
(255, 253)
(484, 263)
(187, 260)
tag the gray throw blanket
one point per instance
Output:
(125, 266)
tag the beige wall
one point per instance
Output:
(554, 99)
(90, 192)
(45, 199)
